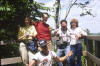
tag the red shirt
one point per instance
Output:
(42, 30)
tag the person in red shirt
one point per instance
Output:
(43, 30)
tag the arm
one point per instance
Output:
(82, 34)
(61, 59)
(20, 34)
(32, 63)
(55, 32)
(51, 31)
(21, 37)
(33, 32)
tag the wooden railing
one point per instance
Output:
(13, 60)
(91, 53)
(92, 50)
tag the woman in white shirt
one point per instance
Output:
(76, 33)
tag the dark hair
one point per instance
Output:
(63, 21)
(23, 24)
(45, 13)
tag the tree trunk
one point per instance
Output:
(57, 13)
(70, 6)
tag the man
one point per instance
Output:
(46, 57)
(63, 42)
(43, 30)
(25, 36)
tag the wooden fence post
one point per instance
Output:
(89, 62)
(85, 44)
(90, 46)
(97, 49)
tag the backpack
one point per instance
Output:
(33, 46)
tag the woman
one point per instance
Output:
(25, 36)
(76, 33)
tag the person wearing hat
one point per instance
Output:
(76, 33)
(45, 57)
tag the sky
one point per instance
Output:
(85, 22)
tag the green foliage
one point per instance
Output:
(10, 50)
(12, 15)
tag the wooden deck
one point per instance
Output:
(91, 53)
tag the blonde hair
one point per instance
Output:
(74, 21)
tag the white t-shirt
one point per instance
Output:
(45, 60)
(64, 36)
(77, 31)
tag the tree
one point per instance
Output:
(72, 3)
(84, 8)
(70, 6)
(12, 15)
(57, 13)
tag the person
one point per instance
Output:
(44, 30)
(45, 57)
(63, 42)
(76, 34)
(25, 36)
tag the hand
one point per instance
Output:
(21, 37)
(56, 31)
(27, 36)
(77, 37)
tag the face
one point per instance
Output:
(45, 17)
(44, 48)
(74, 25)
(27, 22)
(63, 24)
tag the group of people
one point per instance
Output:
(68, 45)
(70, 39)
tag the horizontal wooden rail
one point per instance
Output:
(97, 38)
(13, 60)
(92, 58)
